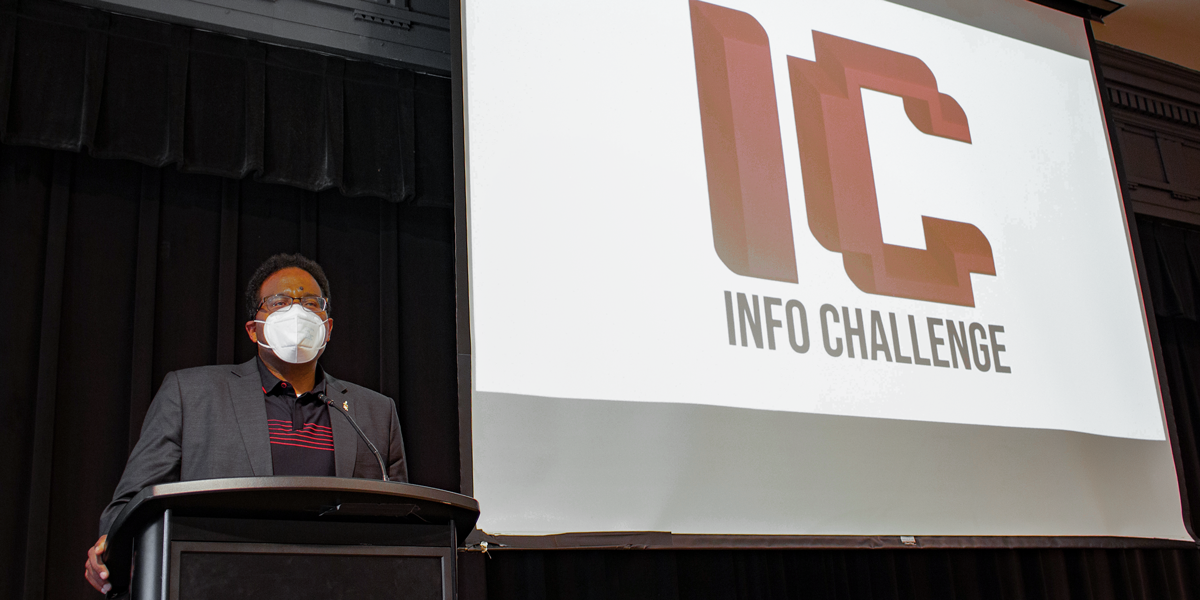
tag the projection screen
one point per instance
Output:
(768, 267)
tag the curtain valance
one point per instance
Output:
(73, 78)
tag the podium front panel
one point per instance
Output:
(223, 571)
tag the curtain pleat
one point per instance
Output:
(1171, 252)
(1027, 574)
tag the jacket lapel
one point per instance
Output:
(345, 440)
(245, 391)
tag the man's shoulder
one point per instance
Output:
(210, 373)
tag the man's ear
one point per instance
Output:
(252, 330)
(328, 329)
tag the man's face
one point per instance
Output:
(293, 282)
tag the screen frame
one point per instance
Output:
(666, 540)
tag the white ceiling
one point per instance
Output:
(1166, 29)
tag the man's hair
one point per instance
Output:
(276, 264)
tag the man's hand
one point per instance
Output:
(94, 570)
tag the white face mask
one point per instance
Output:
(295, 333)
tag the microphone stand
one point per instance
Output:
(328, 402)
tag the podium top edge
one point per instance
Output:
(385, 489)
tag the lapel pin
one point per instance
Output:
(346, 405)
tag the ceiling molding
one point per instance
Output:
(1141, 70)
(1155, 107)
(384, 31)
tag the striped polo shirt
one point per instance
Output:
(300, 432)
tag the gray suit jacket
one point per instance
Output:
(211, 422)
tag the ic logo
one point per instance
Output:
(743, 153)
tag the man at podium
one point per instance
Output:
(268, 416)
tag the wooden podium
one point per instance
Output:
(288, 538)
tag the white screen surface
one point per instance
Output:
(596, 291)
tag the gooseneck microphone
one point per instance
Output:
(378, 457)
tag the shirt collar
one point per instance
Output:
(273, 385)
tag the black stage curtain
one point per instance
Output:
(839, 575)
(1171, 252)
(121, 87)
(115, 273)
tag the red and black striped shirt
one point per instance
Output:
(301, 436)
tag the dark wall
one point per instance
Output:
(1155, 111)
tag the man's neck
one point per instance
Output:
(302, 377)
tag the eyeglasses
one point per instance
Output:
(271, 304)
